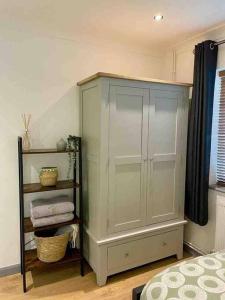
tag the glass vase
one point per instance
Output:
(26, 141)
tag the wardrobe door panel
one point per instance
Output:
(165, 128)
(127, 193)
(165, 119)
(163, 193)
(127, 157)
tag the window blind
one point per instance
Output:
(221, 132)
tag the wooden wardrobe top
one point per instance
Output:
(118, 76)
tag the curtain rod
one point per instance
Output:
(214, 44)
(219, 43)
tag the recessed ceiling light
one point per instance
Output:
(158, 17)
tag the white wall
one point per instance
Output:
(185, 57)
(200, 237)
(38, 74)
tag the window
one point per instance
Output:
(221, 132)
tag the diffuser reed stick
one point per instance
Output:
(26, 135)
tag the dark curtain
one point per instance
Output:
(199, 133)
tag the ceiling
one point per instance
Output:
(122, 21)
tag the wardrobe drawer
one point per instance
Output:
(141, 251)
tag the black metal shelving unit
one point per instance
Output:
(29, 260)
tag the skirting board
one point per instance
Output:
(193, 250)
(10, 270)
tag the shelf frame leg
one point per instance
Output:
(81, 208)
(24, 282)
(21, 200)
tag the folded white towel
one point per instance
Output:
(40, 208)
(45, 221)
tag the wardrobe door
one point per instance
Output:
(164, 156)
(127, 157)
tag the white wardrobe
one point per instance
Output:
(134, 135)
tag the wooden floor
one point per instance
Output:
(65, 283)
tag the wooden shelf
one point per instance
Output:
(29, 260)
(32, 262)
(45, 151)
(28, 226)
(37, 187)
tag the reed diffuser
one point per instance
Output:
(26, 135)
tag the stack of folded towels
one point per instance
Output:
(51, 211)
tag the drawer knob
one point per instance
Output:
(164, 244)
(126, 254)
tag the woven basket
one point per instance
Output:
(51, 248)
(48, 176)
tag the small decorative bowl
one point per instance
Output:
(48, 176)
